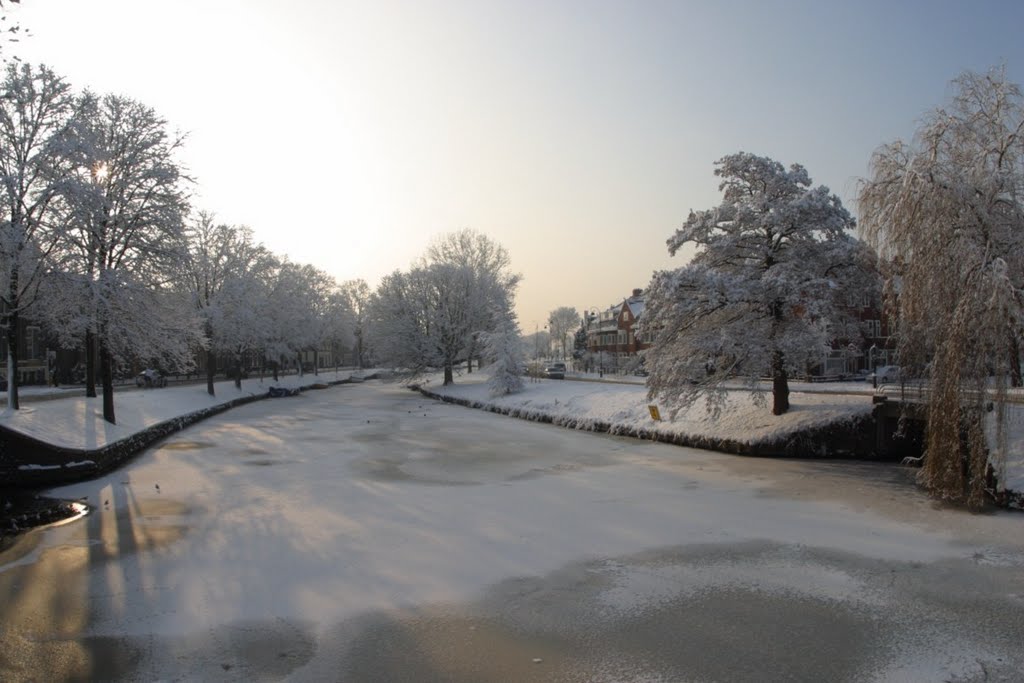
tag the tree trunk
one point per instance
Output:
(238, 371)
(316, 362)
(211, 360)
(211, 369)
(90, 364)
(107, 377)
(12, 361)
(1016, 380)
(449, 377)
(359, 349)
(780, 385)
(273, 366)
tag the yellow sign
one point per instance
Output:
(655, 414)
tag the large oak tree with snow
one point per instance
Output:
(760, 295)
(947, 212)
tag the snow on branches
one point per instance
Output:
(761, 296)
(945, 213)
(504, 349)
(433, 315)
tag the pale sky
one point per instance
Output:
(576, 134)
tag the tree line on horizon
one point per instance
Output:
(100, 246)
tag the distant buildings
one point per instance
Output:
(612, 337)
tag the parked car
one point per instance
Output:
(886, 374)
(150, 378)
(555, 371)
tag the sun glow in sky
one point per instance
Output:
(577, 134)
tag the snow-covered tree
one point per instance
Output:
(36, 120)
(339, 325)
(128, 208)
(538, 344)
(222, 274)
(357, 298)
(318, 289)
(399, 322)
(759, 296)
(433, 315)
(488, 263)
(451, 309)
(561, 322)
(294, 312)
(239, 321)
(503, 349)
(946, 212)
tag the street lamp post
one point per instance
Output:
(600, 351)
(871, 362)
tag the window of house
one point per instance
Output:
(34, 343)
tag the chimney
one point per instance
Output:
(637, 292)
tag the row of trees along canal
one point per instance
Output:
(100, 246)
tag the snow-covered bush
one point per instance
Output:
(503, 349)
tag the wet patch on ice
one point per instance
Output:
(454, 458)
(432, 467)
(240, 651)
(396, 468)
(186, 445)
(742, 612)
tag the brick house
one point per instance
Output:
(611, 333)
(876, 347)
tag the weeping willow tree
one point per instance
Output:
(945, 213)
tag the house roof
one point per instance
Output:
(636, 305)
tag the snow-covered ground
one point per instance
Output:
(65, 417)
(624, 405)
(1012, 470)
(367, 533)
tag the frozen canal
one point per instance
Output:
(366, 534)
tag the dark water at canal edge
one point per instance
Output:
(21, 511)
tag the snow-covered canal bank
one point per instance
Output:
(367, 533)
